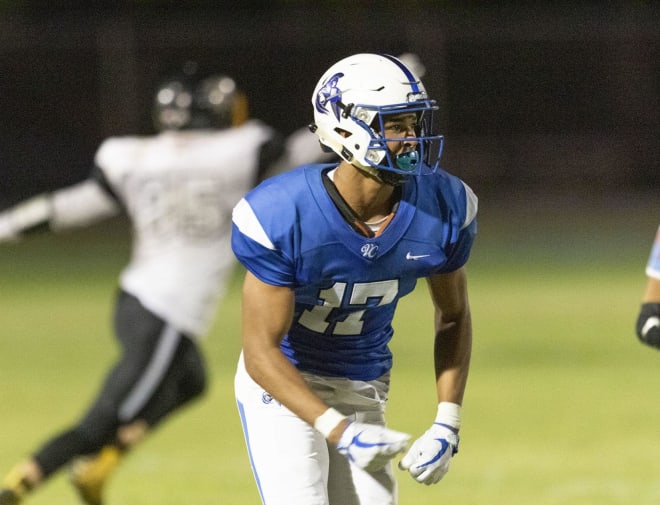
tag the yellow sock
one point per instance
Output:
(18, 479)
(90, 473)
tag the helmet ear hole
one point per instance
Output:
(343, 133)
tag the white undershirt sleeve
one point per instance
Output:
(81, 204)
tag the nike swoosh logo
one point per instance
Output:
(359, 443)
(651, 322)
(444, 446)
(416, 256)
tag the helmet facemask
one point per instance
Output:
(424, 155)
(173, 105)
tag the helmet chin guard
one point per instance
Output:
(353, 100)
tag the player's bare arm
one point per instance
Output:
(429, 457)
(453, 334)
(652, 291)
(267, 313)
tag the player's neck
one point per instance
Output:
(369, 199)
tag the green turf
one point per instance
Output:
(561, 406)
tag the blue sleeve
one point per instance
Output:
(268, 265)
(458, 252)
(264, 230)
(461, 205)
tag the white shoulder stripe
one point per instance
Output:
(244, 218)
(471, 203)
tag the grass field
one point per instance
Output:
(561, 407)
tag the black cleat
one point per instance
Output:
(9, 497)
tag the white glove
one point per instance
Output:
(371, 446)
(32, 212)
(430, 455)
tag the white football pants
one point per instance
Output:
(291, 461)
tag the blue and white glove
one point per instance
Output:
(371, 446)
(430, 455)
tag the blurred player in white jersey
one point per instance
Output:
(178, 189)
(329, 250)
(648, 320)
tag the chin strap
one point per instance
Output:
(392, 178)
(407, 162)
(383, 176)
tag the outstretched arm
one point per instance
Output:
(75, 206)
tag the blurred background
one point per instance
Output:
(557, 100)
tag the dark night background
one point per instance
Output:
(536, 100)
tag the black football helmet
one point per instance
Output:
(184, 102)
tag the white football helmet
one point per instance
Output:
(351, 102)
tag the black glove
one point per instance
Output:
(648, 324)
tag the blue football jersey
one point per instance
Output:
(288, 232)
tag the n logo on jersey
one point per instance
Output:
(369, 250)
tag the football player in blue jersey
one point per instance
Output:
(648, 320)
(329, 250)
(178, 188)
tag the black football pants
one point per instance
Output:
(159, 371)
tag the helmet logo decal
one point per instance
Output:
(330, 93)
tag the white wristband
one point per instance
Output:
(328, 421)
(450, 414)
